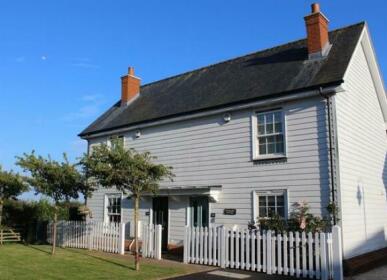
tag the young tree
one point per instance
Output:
(61, 181)
(11, 185)
(129, 171)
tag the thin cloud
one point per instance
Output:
(86, 65)
(43, 57)
(92, 97)
(90, 108)
(84, 62)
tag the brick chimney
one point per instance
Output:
(130, 87)
(317, 33)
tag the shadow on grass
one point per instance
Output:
(35, 247)
(99, 258)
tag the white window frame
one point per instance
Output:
(257, 193)
(254, 135)
(105, 206)
(109, 140)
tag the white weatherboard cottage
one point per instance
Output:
(304, 121)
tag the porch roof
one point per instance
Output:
(212, 191)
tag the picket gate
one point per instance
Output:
(92, 235)
(299, 254)
(151, 241)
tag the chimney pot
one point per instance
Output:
(131, 71)
(315, 8)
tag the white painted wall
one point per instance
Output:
(207, 151)
(362, 150)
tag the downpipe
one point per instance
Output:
(327, 94)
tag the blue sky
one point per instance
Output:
(61, 61)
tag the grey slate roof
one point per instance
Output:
(273, 72)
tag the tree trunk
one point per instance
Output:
(136, 254)
(54, 232)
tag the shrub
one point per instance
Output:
(300, 219)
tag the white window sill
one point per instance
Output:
(268, 157)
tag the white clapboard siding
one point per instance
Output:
(298, 254)
(205, 151)
(108, 237)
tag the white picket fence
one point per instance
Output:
(297, 254)
(108, 237)
(151, 241)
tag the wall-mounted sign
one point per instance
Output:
(212, 215)
(229, 211)
(147, 213)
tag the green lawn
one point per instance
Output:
(35, 262)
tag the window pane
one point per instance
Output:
(262, 212)
(271, 145)
(261, 119)
(279, 148)
(271, 211)
(280, 201)
(278, 117)
(271, 200)
(271, 148)
(269, 123)
(262, 145)
(278, 122)
(278, 127)
(261, 129)
(281, 211)
(262, 201)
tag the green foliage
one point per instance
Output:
(19, 212)
(274, 222)
(60, 181)
(333, 211)
(129, 171)
(300, 220)
(11, 184)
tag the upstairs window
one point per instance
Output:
(269, 136)
(116, 140)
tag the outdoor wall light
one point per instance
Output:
(227, 117)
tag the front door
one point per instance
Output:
(199, 211)
(160, 217)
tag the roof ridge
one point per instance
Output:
(244, 55)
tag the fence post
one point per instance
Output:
(158, 242)
(268, 252)
(90, 234)
(222, 247)
(122, 239)
(337, 254)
